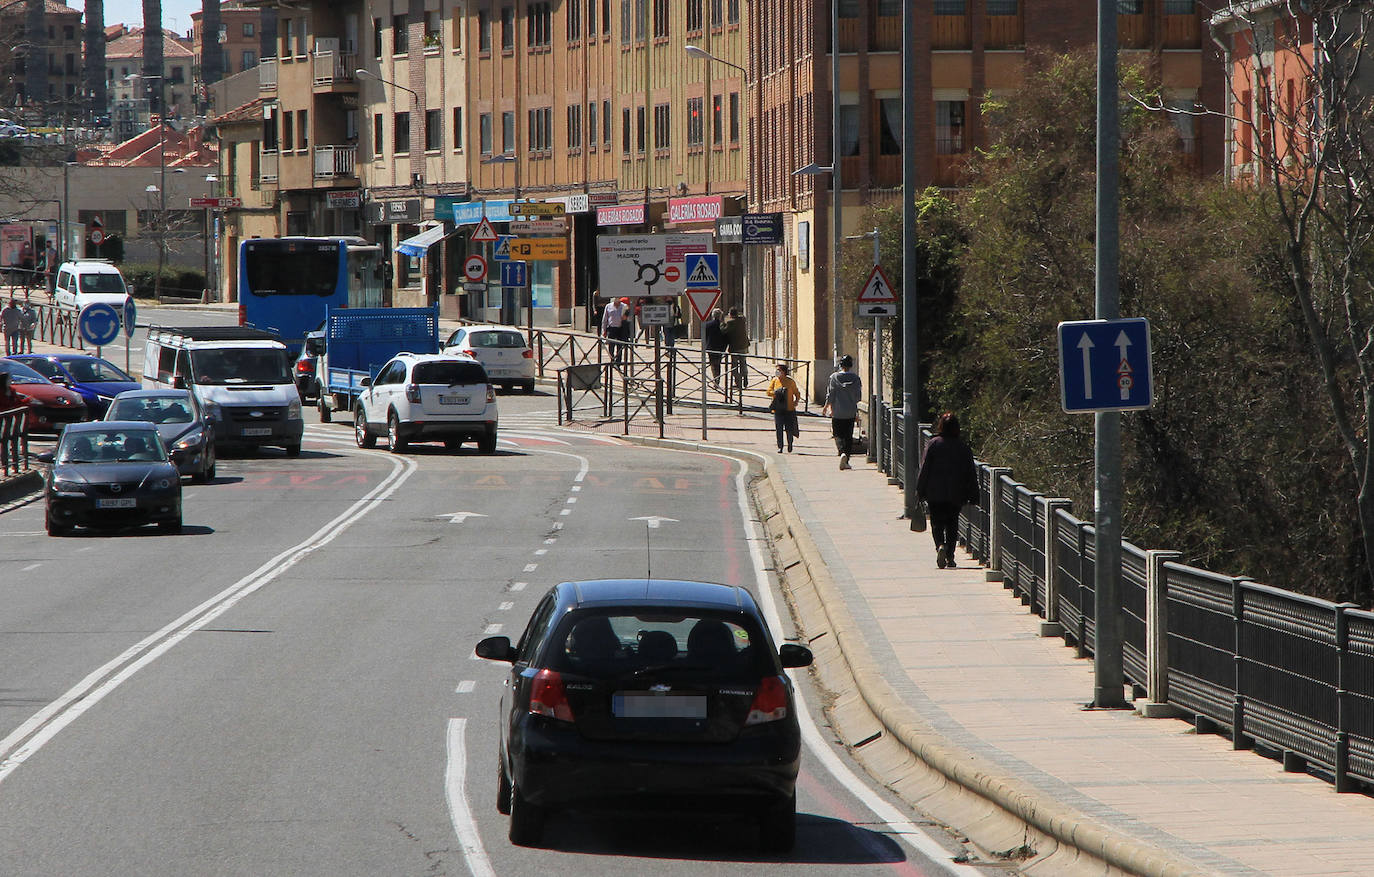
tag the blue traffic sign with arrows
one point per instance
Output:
(513, 274)
(1105, 365)
(98, 324)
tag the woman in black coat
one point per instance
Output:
(948, 479)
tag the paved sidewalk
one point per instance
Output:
(969, 659)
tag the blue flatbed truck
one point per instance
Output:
(357, 342)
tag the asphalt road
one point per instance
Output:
(288, 687)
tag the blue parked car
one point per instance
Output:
(97, 380)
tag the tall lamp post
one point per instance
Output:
(416, 179)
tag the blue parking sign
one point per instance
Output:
(1105, 365)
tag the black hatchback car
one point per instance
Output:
(111, 474)
(665, 694)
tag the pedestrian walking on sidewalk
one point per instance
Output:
(948, 479)
(713, 339)
(611, 320)
(736, 329)
(12, 318)
(842, 397)
(28, 326)
(783, 398)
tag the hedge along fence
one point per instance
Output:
(1288, 674)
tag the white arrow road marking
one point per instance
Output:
(460, 517)
(459, 812)
(1085, 344)
(654, 520)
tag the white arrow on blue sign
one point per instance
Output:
(1105, 365)
(513, 274)
(98, 324)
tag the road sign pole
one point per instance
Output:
(702, 332)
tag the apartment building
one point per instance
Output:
(966, 50)
(128, 91)
(239, 43)
(62, 50)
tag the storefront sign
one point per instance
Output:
(728, 230)
(347, 199)
(472, 212)
(703, 208)
(392, 212)
(620, 214)
(763, 229)
(573, 203)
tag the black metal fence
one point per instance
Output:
(1289, 675)
(14, 443)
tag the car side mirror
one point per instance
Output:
(496, 648)
(45, 457)
(795, 656)
(366, 382)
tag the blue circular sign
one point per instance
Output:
(98, 324)
(130, 311)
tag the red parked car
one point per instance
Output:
(51, 407)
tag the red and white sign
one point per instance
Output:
(97, 236)
(620, 214)
(703, 300)
(672, 273)
(702, 208)
(484, 233)
(217, 203)
(877, 290)
(475, 269)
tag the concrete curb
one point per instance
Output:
(1066, 825)
(20, 486)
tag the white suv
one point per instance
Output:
(88, 281)
(427, 397)
(501, 350)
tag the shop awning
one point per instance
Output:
(417, 245)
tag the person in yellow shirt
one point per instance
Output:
(784, 396)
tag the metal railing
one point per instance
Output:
(1277, 671)
(14, 443)
(335, 161)
(329, 68)
(267, 166)
(267, 74)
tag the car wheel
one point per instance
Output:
(528, 388)
(393, 433)
(453, 444)
(322, 405)
(487, 443)
(778, 826)
(364, 438)
(170, 526)
(54, 528)
(526, 820)
(293, 450)
(502, 789)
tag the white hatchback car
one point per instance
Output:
(501, 350)
(427, 397)
(89, 281)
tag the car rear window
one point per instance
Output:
(96, 371)
(496, 339)
(448, 373)
(151, 409)
(112, 446)
(101, 283)
(621, 643)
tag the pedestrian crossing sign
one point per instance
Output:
(501, 252)
(877, 290)
(703, 270)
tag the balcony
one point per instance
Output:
(267, 167)
(334, 70)
(267, 75)
(334, 162)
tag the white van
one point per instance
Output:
(88, 281)
(240, 376)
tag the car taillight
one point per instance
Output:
(468, 351)
(770, 703)
(547, 697)
(303, 366)
(412, 393)
(243, 315)
(527, 353)
(491, 393)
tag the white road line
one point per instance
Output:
(571, 500)
(493, 629)
(519, 586)
(566, 512)
(531, 567)
(540, 552)
(459, 813)
(506, 606)
(576, 487)
(558, 525)
(42, 726)
(465, 687)
(31, 567)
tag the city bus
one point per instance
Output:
(286, 284)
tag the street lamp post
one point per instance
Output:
(510, 158)
(417, 180)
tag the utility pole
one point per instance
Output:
(911, 386)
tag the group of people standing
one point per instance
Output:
(19, 325)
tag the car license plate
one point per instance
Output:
(257, 430)
(453, 400)
(123, 502)
(496, 371)
(659, 706)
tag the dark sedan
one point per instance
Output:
(188, 435)
(657, 693)
(50, 407)
(111, 474)
(96, 380)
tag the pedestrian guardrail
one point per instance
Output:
(1289, 675)
(14, 442)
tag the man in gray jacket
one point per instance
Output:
(842, 397)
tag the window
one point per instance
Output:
(434, 30)
(641, 19)
(949, 127)
(250, 59)
(591, 124)
(508, 28)
(575, 126)
(574, 20)
(400, 35)
(625, 12)
(1179, 7)
(288, 131)
(717, 119)
(538, 24)
(716, 13)
(400, 133)
(950, 7)
(288, 37)
(849, 8)
(68, 32)
(377, 38)
(732, 11)
(457, 128)
(378, 136)
(508, 133)
(849, 129)
(606, 123)
(457, 31)
(889, 8)
(605, 17)
(625, 131)
(591, 18)
(694, 16)
(483, 31)
(249, 28)
(640, 131)
(1130, 7)
(303, 129)
(269, 131)
(434, 130)
(660, 19)
(1001, 7)
(541, 130)
(695, 123)
(484, 133)
(663, 128)
(890, 126)
(734, 117)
